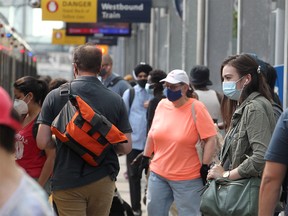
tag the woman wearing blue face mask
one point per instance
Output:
(248, 117)
(176, 173)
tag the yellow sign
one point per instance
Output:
(59, 37)
(75, 11)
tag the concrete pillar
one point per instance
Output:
(219, 28)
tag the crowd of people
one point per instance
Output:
(163, 117)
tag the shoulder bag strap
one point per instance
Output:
(227, 144)
(194, 117)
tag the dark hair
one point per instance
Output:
(88, 58)
(45, 78)
(270, 74)
(244, 64)
(55, 83)
(39, 88)
(7, 134)
(155, 77)
(190, 92)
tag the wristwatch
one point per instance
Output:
(226, 174)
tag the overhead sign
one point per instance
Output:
(59, 37)
(133, 11)
(77, 11)
(111, 41)
(98, 29)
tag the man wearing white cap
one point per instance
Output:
(176, 171)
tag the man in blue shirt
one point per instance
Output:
(137, 118)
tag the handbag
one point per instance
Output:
(230, 197)
(200, 143)
(234, 198)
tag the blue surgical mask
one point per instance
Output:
(230, 90)
(173, 95)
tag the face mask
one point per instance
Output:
(103, 72)
(231, 91)
(148, 88)
(173, 95)
(20, 106)
(142, 83)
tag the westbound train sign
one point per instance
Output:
(92, 11)
(124, 11)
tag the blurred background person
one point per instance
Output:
(129, 78)
(55, 83)
(155, 88)
(135, 100)
(111, 80)
(199, 78)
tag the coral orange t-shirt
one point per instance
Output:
(173, 136)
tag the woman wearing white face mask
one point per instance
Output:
(248, 117)
(29, 96)
(21, 107)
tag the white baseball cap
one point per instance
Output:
(176, 76)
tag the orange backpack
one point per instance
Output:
(85, 131)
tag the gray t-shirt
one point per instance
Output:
(29, 199)
(119, 87)
(70, 169)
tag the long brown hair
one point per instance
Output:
(244, 64)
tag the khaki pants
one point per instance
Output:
(89, 200)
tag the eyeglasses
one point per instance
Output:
(173, 87)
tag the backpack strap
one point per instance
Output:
(131, 96)
(114, 81)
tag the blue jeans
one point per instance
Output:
(162, 192)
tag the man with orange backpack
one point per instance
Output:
(79, 187)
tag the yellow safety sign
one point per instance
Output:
(59, 37)
(76, 11)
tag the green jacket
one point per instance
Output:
(253, 122)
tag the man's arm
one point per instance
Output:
(44, 137)
(124, 148)
(272, 179)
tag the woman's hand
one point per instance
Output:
(215, 172)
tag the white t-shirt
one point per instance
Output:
(210, 100)
(29, 199)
